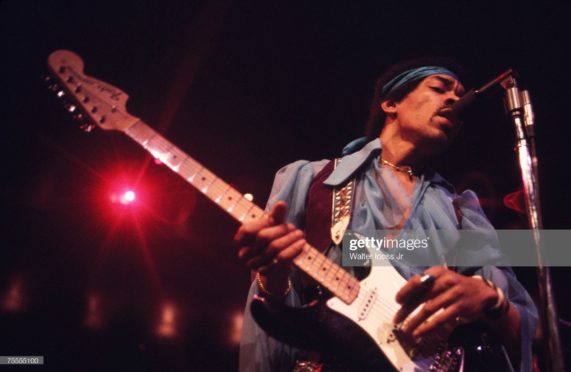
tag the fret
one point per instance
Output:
(348, 285)
(304, 258)
(231, 197)
(317, 264)
(140, 132)
(175, 158)
(233, 206)
(324, 269)
(158, 147)
(255, 213)
(192, 179)
(242, 213)
(189, 169)
(219, 198)
(206, 180)
(340, 279)
(243, 206)
(240, 208)
(333, 277)
(216, 188)
(242, 217)
(342, 288)
(310, 260)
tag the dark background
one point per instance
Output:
(245, 87)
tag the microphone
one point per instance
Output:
(459, 108)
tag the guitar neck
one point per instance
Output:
(324, 271)
(221, 193)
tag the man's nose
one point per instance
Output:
(451, 99)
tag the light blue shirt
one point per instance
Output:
(432, 208)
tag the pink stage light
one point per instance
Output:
(128, 197)
(125, 197)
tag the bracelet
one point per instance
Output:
(502, 305)
(266, 292)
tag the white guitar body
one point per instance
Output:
(373, 312)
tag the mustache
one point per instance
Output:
(447, 112)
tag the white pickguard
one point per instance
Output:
(373, 311)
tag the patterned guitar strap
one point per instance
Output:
(342, 206)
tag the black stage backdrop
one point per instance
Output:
(244, 87)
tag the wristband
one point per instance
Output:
(266, 292)
(502, 305)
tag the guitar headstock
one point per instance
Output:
(91, 100)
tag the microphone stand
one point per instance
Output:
(518, 107)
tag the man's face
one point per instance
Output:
(424, 115)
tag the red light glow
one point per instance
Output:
(235, 329)
(13, 301)
(167, 325)
(126, 197)
(94, 315)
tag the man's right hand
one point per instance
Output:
(269, 245)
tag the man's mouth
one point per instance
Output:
(447, 113)
(451, 120)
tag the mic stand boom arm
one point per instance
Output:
(518, 107)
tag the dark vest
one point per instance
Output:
(318, 210)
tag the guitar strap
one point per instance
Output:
(328, 213)
(328, 210)
(342, 208)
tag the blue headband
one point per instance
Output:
(413, 75)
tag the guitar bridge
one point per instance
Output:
(448, 360)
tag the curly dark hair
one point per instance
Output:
(377, 116)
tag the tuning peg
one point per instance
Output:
(46, 78)
(60, 93)
(78, 116)
(54, 87)
(87, 127)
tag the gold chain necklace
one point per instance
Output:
(403, 169)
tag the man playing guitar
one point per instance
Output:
(411, 121)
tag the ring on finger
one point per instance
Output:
(427, 280)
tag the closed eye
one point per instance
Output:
(437, 89)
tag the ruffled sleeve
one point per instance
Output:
(473, 218)
(258, 351)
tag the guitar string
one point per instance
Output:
(386, 310)
(379, 317)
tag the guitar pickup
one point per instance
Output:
(367, 304)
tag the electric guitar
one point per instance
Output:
(354, 320)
